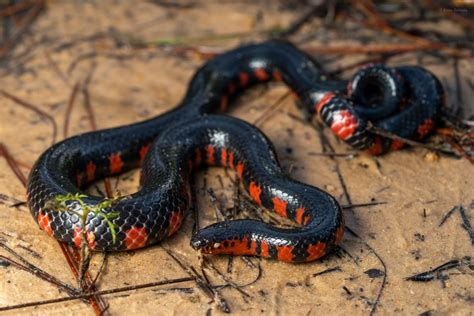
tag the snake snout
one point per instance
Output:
(198, 242)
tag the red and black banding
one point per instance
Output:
(337, 113)
(172, 145)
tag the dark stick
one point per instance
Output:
(329, 154)
(5, 198)
(338, 269)
(434, 273)
(410, 142)
(362, 205)
(103, 292)
(200, 282)
(41, 274)
(447, 215)
(224, 277)
(466, 224)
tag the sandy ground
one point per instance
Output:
(394, 240)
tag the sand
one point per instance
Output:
(391, 241)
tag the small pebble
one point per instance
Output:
(432, 156)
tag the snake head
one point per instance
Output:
(212, 238)
(204, 240)
(228, 237)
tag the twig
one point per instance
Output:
(88, 107)
(15, 8)
(374, 20)
(362, 205)
(466, 224)
(435, 273)
(271, 109)
(224, 278)
(384, 133)
(447, 215)
(34, 109)
(386, 48)
(97, 293)
(13, 202)
(31, 268)
(335, 269)
(69, 108)
(22, 26)
(330, 154)
(12, 163)
(200, 282)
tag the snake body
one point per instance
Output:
(403, 100)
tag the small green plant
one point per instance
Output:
(59, 203)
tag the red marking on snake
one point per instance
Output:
(115, 163)
(279, 206)
(344, 124)
(425, 128)
(316, 251)
(261, 74)
(210, 154)
(240, 247)
(325, 99)
(231, 88)
(175, 222)
(284, 253)
(306, 220)
(240, 169)
(376, 148)
(397, 144)
(90, 171)
(45, 223)
(243, 79)
(77, 236)
(264, 249)
(143, 151)
(231, 159)
(277, 75)
(224, 103)
(255, 192)
(135, 237)
(77, 239)
(299, 215)
(223, 157)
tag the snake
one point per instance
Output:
(170, 147)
